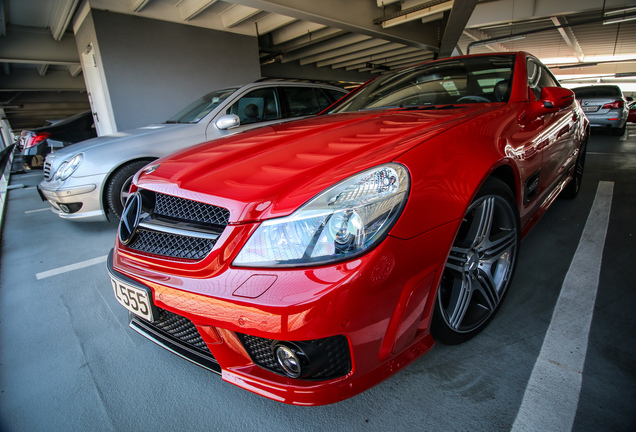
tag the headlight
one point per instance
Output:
(345, 220)
(68, 167)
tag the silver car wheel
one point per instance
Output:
(479, 266)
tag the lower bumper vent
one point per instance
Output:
(179, 335)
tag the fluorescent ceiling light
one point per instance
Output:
(422, 13)
(621, 15)
(576, 66)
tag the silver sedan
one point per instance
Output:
(89, 181)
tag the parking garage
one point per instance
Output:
(70, 361)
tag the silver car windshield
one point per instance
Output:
(201, 107)
(470, 80)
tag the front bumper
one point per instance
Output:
(75, 199)
(380, 303)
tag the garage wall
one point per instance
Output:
(155, 68)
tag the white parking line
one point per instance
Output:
(552, 394)
(71, 267)
(23, 176)
(38, 210)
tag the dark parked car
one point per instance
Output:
(605, 106)
(631, 118)
(35, 144)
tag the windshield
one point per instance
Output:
(201, 107)
(464, 81)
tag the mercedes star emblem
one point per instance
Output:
(130, 218)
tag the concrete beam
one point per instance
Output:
(459, 16)
(329, 13)
(332, 44)
(568, 36)
(37, 46)
(30, 80)
(272, 22)
(189, 9)
(61, 17)
(236, 14)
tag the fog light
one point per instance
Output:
(70, 208)
(289, 360)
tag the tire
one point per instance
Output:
(572, 189)
(119, 185)
(479, 267)
(619, 131)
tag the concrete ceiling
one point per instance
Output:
(41, 74)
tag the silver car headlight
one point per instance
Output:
(339, 223)
(68, 167)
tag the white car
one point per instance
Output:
(89, 181)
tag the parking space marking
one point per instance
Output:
(552, 395)
(23, 176)
(38, 210)
(71, 267)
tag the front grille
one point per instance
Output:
(335, 350)
(172, 245)
(47, 171)
(177, 334)
(180, 208)
(178, 228)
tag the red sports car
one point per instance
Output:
(308, 261)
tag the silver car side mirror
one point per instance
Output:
(228, 121)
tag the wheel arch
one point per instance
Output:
(104, 200)
(507, 175)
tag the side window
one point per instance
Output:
(546, 79)
(257, 106)
(323, 101)
(539, 77)
(334, 94)
(302, 101)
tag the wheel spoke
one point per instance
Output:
(493, 249)
(483, 222)
(488, 288)
(460, 300)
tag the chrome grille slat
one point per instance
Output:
(47, 171)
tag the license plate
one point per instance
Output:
(132, 298)
(590, 108)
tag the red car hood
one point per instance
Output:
(271, 171)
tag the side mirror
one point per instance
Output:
(556, 97)
(552, 100)
(228, 121)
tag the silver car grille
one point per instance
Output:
(47, 171)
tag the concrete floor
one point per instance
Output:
(68, 360)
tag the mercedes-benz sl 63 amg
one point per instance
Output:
(310, 260)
